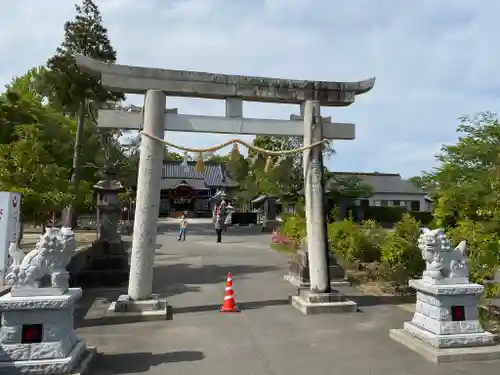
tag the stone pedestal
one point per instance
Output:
(38, 336)
(445, 326)
(298, 271)
(309, 302)
(125, 310)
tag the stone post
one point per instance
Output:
(306, 157)
(148, 198)
(317, 242)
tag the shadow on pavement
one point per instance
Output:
(169, 280)
(174, 279)
(253, 305)
(133, 363)
(370, 300)
(93, 304)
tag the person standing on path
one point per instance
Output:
(183, 228)
(219, 217)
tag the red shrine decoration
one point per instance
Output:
(457, 313)
(32, 334)
(183, 191)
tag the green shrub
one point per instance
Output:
(355, 244)
(294, 227)
(334, 214)
(483, 244)
(345, 239)
(396, 275)
(374, 238)
(401, 257)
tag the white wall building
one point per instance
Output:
(390, 189)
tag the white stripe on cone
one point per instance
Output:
(229, 288)
(228, 297)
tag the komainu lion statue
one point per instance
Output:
(50, 257)
(441, 260)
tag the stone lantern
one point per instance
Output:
(108, 262)
(109, 210)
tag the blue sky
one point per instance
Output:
(434, 60)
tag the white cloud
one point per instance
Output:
(434, 60)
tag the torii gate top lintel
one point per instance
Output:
(137, 80)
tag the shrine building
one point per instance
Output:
(185, 189)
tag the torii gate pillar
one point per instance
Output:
(148, 198)
(314, 192)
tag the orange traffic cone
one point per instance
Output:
(229, 304)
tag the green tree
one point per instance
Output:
(172, 156)
(285, 176)
(346, 187)
(27, 166)
(72, 90)
(464, 177)
(466, 187)
(217, 158)
(36, 148)
(424, 182)
(20, 103)
(342, 190)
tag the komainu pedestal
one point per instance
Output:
(445, 326)
(37, 334)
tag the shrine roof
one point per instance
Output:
(171, 183)
(385, 183)
(213, 174)
(381, 183)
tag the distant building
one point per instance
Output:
(185, 189)
(390, 189)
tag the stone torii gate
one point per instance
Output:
(157, 84)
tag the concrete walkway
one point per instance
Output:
(268, 337)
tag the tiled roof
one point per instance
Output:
(385, 183)
(170, 183)
(213, 174)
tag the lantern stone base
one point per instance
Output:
(445, 326)
(107, 266)
(38, 335)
